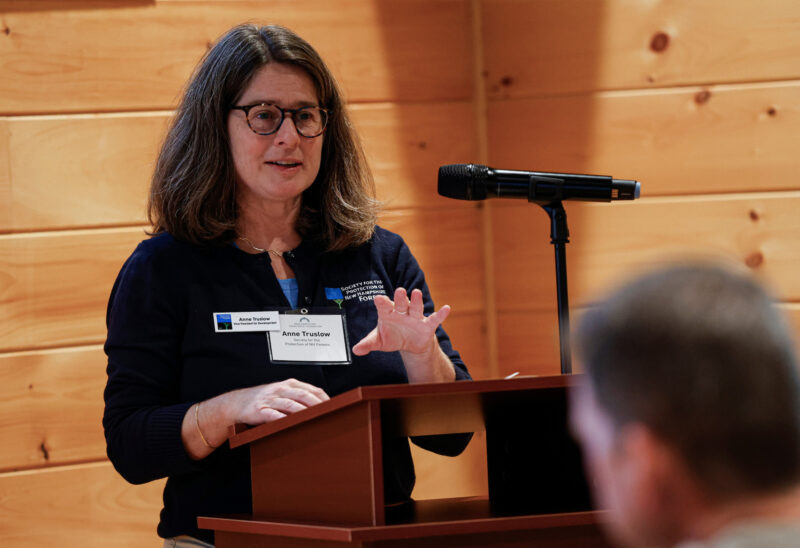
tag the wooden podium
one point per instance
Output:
(317, 475)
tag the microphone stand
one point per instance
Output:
(559, 237)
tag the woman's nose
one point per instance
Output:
(287, 133)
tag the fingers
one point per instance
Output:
(269, 414)
(416, 306)
(367, 344)
(270, 402)
(285, 405)
(383, 305)
(316, 391)
(413, 306)
(401, 303)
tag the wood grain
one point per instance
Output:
(51, 401)
(550, 47)
(5, 175)
(467, 331)
(440, 477)
(528, 339)
(716, 139)
(70, 171)
(51, 406)
(77, 506)
(85, 58)
(527, 342)
(54, 286)
(610, 242)
(81, 170)
(447, 245)
(406, 144)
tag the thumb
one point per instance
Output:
(440, 315)
(367, 344)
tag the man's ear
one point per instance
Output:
(657, 479)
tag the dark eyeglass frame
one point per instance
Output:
(246, 109)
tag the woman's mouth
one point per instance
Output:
(285, 164)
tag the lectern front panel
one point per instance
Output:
(329, 471)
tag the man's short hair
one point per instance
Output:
(701, 356)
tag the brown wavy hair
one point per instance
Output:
(192, 192)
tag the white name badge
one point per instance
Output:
(238, 322)
(311, 338)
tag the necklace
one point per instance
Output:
(261, 249)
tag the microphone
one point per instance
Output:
(477, 182)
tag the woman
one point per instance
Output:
(261, 203)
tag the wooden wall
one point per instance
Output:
(700, 101)
(86, 90)
(697, 100)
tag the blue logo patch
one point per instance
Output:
(334, 294)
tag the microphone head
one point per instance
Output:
(463, 181)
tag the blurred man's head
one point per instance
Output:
(691, 401)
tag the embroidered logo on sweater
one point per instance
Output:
(363, 291)
(334, 294)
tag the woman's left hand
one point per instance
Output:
(402, 326)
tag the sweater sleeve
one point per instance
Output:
(143, 412)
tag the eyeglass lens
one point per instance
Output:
(266, 119)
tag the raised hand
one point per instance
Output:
(402, 325)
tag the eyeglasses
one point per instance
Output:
(266, 119)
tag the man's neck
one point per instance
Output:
(715, 518)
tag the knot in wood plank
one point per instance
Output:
(755, 259)
(702, 97)
(659, 42)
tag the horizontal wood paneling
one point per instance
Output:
(610, 242)
(54, 287)
(527, 342)
(447, 245)
(77, 506)
(94, 170)
(467, 331)
(440, 477)
(51, 406)
(5, 175)
(51, 401)
(83, 170)
(406, 143)
(134, 57)
(680, 141)
(558, 46)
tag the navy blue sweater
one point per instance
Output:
(164, 356)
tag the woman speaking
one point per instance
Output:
(264, 266)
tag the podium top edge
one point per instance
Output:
(241, 437)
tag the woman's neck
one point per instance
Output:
(269, 225)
